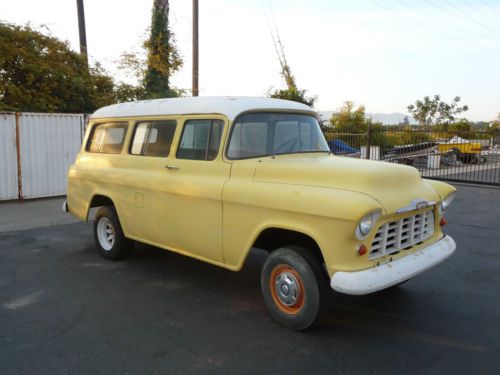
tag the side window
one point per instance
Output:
(107, 138)
(95, 139)
(153, 138)
(200, 140)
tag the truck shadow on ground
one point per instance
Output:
(179, 311)
(217, 293)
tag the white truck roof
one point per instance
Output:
(230, 106)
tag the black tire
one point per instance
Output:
(300, 274)
(106, 224)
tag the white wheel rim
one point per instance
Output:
(106, 233)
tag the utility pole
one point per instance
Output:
(81, 29)
(195, 48)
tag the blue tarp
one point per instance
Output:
(339, 147)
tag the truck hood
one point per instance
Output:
(393, 186)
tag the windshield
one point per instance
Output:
(264, 134)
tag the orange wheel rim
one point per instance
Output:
(287, 289)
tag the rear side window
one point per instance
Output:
(107, 138)
(200, 140)
(153, 138)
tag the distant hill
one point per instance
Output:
(385, 118)
(391, 118)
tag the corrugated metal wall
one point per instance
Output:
(49, 144)
(8, 156)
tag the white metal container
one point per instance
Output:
(8, 157)
(374, 152)
(433, 161)
(49, 144)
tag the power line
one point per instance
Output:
(278, 46)
(440, 20)
(478, 9)
(457, 14)
(445, 9)
(272, 34)
(489, 6)
(432, 28)
(275, 25)
(485, 26)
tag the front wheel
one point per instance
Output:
(108, 234)
(290, 283)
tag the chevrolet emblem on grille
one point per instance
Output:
(422, 205)
(416, 204)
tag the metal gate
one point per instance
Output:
(459, 156)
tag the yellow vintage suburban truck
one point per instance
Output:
(212, 178)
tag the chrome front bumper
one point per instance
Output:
(392, 273)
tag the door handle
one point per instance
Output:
(171, 167)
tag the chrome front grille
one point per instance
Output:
(402, 234)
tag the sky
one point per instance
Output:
(383, 54)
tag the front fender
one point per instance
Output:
(442, 188)
(328, 216)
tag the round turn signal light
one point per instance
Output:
(362, 250)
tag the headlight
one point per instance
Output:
(366, 224)
(447, 201)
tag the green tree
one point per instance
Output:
(293, 94)
(350, 119)
(496, 123)
(162, 56)
(351, 126)
(126, 92)
(462, 125)
(493, 128)
(40, 73)
(462, 128)
(435, 111)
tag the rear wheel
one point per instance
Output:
(290, 283)
(108, 234)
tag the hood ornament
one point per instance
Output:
(416, 204)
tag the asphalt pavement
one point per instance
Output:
(30, 214)
(66, 310)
